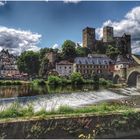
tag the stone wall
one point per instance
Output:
(90, 126)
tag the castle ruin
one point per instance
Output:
(123, 43)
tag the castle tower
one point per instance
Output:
(89, 38)
(107, 34)
(127, 43)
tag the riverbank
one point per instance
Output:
(18, 111)
(102, 83)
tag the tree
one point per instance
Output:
(44, 67)
(76, 78)
(112, 52)
(68, 50)
(82, 51)
(44, 51)
(100, 48)
(54, 80)
(29, 62)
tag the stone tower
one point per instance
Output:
(107, 34)
(126, 40)
(89, 38)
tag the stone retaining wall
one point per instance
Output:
(89, 126)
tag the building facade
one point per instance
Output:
(8, 66)
(64, 68)
(93, 64)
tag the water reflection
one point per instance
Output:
(30, 90)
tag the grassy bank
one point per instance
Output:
(11, 82)
(16, 110)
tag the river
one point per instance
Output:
(50, 98)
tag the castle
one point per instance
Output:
(123, 43)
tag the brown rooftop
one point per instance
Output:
(64, 62)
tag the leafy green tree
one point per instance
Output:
(82, 51)
(54, 80)
(68, 50)
(44, 51)
(76, 78)
(29, 62)
(44, 67)
(112, 52)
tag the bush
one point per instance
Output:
(104, 82)
(76, 78)
(54, 80)
(41, 83)
(65, 81)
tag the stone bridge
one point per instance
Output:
(130, 76)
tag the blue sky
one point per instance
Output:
(55, 22)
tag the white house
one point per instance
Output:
(64, 68)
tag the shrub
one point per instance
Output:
(41, 83)
(65, 81)
(54, 80)
(104, 82)
(76, 78)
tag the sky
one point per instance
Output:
(31, 25)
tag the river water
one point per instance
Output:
(53, 97)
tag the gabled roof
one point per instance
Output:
(124, 59)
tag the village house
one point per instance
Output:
(64, 68)
(8, 66)
(94, 64)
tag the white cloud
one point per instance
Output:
(71, 1)
(2, 3)
(17, 41)
(129, 24)
(55, 46)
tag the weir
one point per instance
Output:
(74, 99)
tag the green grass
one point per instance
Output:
(10, 82)
(16, 110)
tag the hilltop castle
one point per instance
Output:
(123, 43)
